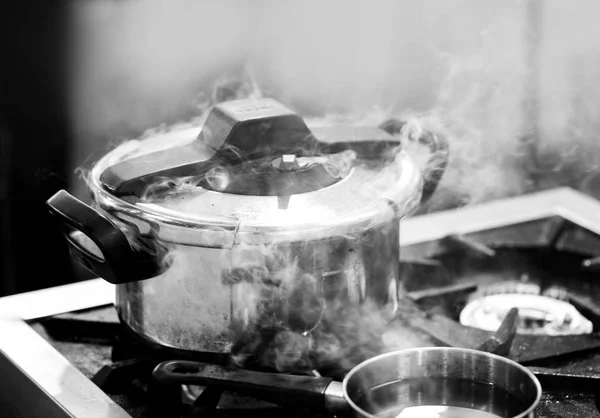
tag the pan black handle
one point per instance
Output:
(304, 392)
(439, 153)
(111, 257)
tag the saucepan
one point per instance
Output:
(419, 382)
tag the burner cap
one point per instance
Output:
(539, 315)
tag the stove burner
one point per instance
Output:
(539, 314)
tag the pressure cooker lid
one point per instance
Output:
(258, 164)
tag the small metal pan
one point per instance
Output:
(432, 381)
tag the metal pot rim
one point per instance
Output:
(378, 358)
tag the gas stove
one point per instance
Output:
(64, 354)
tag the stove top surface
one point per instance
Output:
(65, 342)
(135, 397)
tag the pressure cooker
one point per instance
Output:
(255, 217)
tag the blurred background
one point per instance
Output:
(514, 84)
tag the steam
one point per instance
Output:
(459, 68)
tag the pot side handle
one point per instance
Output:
(304, 392)
(112, 258)
(439, 153)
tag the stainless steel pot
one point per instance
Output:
(208, 231)
(421, 382)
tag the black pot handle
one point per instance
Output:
(436, 164)
(306, 392)
(439, 153)
(113, 259)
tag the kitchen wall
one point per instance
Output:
(570, 94)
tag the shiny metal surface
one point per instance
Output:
(335, 401)
(56, 300)
(565, 202)
(375, 380)
(37, 381)
(204, 300)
